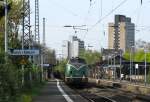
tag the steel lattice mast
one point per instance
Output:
(37, 34)
(25, 29)
(26, 24)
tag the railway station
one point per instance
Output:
(74, 51)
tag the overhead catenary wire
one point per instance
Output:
(102, 18)
(141, 2)
(140, 29)
(103, 30)
(109, 13)
(86, 18)
(138, 16)
(88, 12)
(66, 9)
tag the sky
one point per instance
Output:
(59, 13)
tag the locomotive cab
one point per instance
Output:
(76, 71)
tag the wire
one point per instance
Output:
(66, 9)
(108, 14)
(101, 8)
(141, 2)
(88, 12)
(86, 18)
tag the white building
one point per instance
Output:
(65, 49)
(73, 47)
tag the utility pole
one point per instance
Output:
(37, 31)
(37, 59)
(26, 24)
(23, 40)
(6, 34)
(114, 67)
(4, 3)
(44, 32)
(120, 64)
(43, 49)
(130, 63)
(131, 59)
(145, 77)
(25, 29)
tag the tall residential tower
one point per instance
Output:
(121, 33)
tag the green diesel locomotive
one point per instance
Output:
(76, 71)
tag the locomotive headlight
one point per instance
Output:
(69, 67)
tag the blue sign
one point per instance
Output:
(23, 52)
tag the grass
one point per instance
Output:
(28, 94)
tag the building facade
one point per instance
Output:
(121, 33)
(73, 48)
(65, 50)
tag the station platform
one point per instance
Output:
(56, 91)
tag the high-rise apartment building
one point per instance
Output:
(121, 33)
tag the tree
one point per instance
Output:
(14, 20)
(138, 56)
(10, 81)
(91, 57)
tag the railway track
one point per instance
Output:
(95, 93)
(95, 98)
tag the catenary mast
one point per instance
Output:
(37, 31)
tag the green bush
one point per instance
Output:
(9, 86)
(26, 98)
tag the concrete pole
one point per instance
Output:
(30, 42)
(6, 35)
(111, 61)
(23, 39)
(42, 67)
(133, 72)
(30, 58)
(42, 55)
(120, 63)
(145, 79)
(44, 31)
(114, 68)
(130, 64)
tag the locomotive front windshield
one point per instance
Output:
(77, 62)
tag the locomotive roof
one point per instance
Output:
(77, 60)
